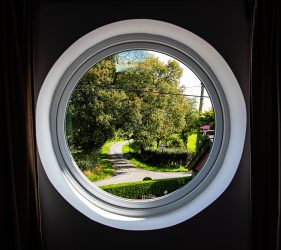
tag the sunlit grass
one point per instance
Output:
(191, 143)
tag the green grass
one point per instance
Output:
(130, 153)
(104, 169)
(144, 189)
(191, 143)
(106, 147)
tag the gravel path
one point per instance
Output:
(126, 172)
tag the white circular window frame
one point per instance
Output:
(237, 115)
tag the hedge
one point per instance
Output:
(166, 158)
(144, 189)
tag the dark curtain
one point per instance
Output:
(265, 124)
(19, 205)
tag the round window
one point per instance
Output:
(136, 122)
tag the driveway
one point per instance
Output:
(126, 172)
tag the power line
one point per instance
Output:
(140, 90)
(188, 87)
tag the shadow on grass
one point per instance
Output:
(137, 160)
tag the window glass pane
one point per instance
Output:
(140, 124)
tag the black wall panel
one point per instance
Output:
(225, 25)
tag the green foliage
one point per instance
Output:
(173, 141)
(159, 114)
(191, 143)
(207, 118)
(170, 160)
(106, 147)
(100, 172)
(191, 122)
(138, 190)
(85, 161)
(96, 165)
(108, 104)
(92, 110)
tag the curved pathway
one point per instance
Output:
(126, 172)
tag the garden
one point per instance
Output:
(137, 100)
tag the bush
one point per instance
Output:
(174, 141)
(150, 188)
(170, 160)
(86, 161)
(147, 179)
(169, 157)
(95, 165)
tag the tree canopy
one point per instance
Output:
(143, 100)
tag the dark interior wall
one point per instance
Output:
(224, 24)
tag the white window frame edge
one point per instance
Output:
(237, 113)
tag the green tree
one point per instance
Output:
(191, 122)
(143, 100)
(92, 109)
(161, 105)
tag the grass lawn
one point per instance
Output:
(104, 169)
(130, 153)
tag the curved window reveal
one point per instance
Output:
(140, 125)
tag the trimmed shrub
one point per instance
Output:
(169, 157)
(147, 179)
(150, 188)
(174, 141)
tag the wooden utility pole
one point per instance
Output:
(201, 102)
